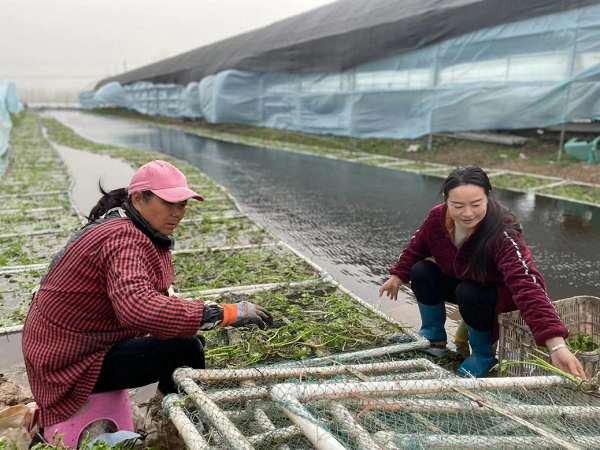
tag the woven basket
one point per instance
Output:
(580, 315)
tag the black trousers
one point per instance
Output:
(140, 361)
(476, 302)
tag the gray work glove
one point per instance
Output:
(245, 313)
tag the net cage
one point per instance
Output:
(377, 402)
(334, 373)
(581, 315)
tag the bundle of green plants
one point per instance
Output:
(310, 322)
(591, 385)
(582, 343)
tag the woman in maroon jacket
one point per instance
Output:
(102, 319)
(470, 251)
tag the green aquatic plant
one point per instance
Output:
(308, 322)
(211, 270)
(582, 343)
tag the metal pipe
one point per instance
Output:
(396, 441)
(343, 417)
(193, 439)
(216, 416)
(318, 436)
(290, 371)
(473, 408)
(386, 388)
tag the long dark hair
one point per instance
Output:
(498, 218)
(112, 199)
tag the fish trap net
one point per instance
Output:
(231, 406)
(390, 404)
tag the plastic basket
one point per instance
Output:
(581, 315)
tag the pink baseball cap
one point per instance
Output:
(163, 180)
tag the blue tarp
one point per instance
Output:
(9, 104)
(111, 94)
(531, 73)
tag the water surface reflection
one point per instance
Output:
(355, 219)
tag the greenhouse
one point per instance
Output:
(9, 104)
(393, 70)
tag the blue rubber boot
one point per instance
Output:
(482, 358)
(433, 319)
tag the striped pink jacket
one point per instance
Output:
(107, 286)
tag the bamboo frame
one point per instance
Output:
(343, 417)
(33, 194)
(371, 353)
(223, 249)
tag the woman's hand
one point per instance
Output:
(246, 313)
(564, 359)
(567, 362)
(391, 286)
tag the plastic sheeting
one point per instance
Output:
(169, 100)
(9, 104)
(86, 100)
(532, 73)
(111, 94)
(342, 35)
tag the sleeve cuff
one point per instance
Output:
(212, 316)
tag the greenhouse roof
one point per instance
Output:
(341, 35)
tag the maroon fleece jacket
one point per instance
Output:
(518, 282)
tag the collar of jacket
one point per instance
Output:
(450, 225)
(157, 238)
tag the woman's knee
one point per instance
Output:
(190, 351)
(467, 295)
(476, 304)
(424, 272)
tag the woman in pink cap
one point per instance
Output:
(102, 319)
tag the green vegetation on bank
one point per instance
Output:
(538, 155)
(523, 182)
(582, 193)
(313, 318)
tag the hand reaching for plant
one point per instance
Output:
(391, 286)
(567, 362)
(246, 313)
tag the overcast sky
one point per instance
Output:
(57, 46)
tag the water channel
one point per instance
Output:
(354, 219)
